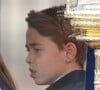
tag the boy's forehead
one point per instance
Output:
(33, 37)
(31, 32)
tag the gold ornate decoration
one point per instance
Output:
(85, 18)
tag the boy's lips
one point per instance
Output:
(33, 73)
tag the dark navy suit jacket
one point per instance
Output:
(90, 66)
(3, 86)
(72, 81)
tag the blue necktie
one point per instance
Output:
(90, 66)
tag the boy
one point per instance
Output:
(54, 57)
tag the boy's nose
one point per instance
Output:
(29, 58)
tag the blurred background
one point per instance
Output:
(12, 37)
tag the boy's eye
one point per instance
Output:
(36, 50)
(27, 49)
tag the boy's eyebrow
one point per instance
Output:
(33, 44)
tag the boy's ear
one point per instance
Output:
(71, 51)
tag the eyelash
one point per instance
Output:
(27, 49)
(36, 50)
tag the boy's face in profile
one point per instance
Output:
(46, 61)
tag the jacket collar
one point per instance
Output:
(72, 77)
